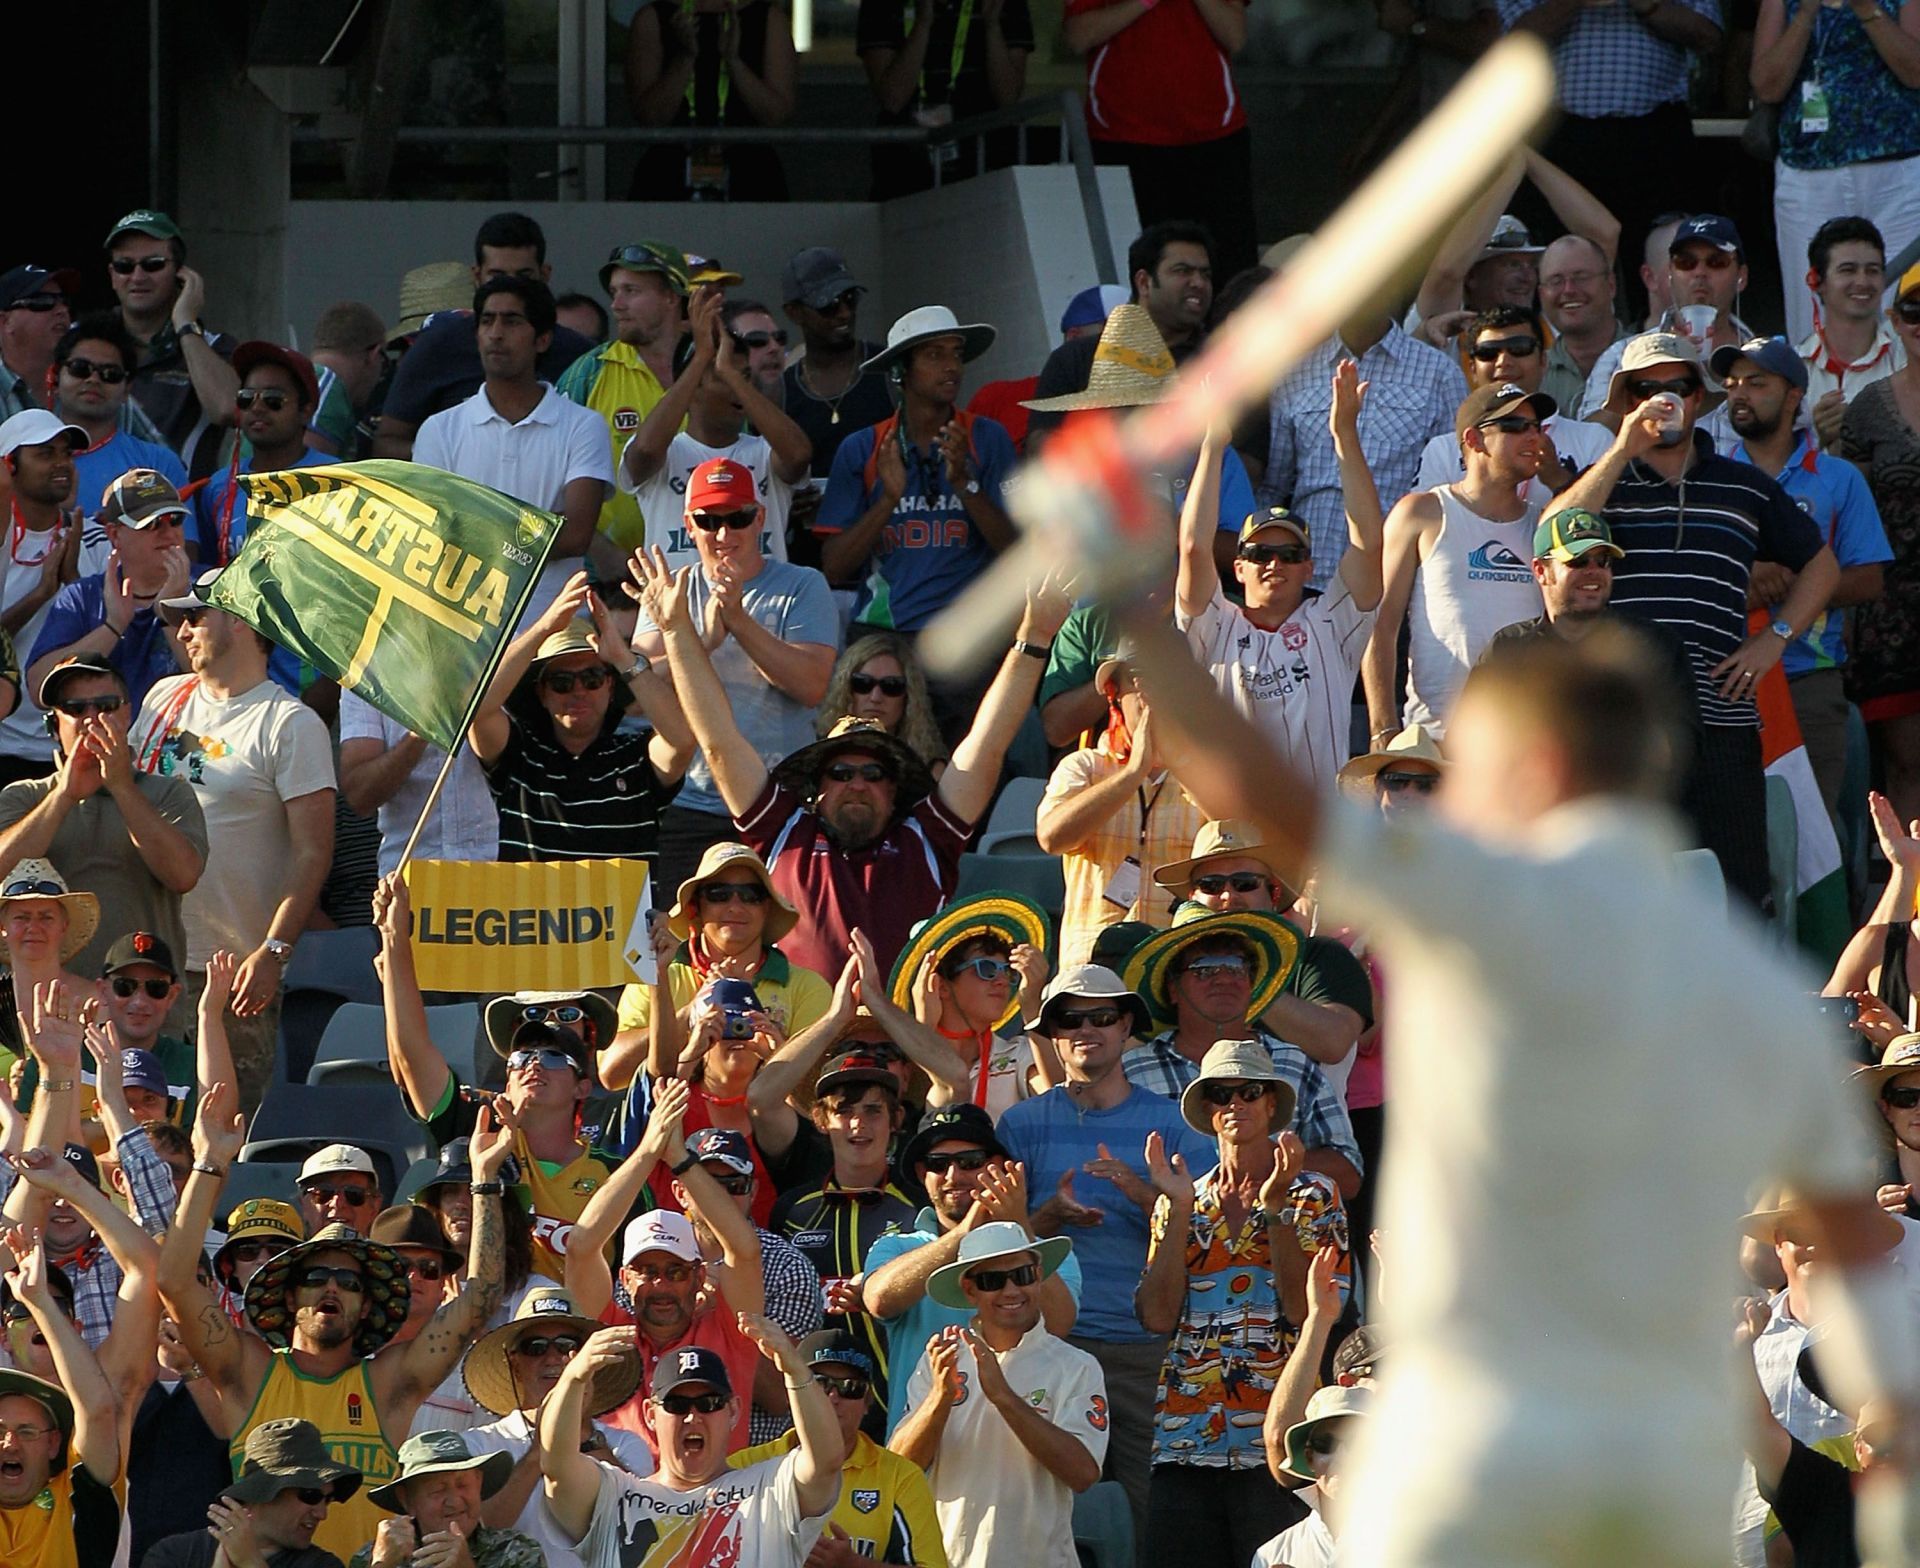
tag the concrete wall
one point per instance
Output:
(1008, 248)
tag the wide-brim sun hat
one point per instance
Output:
(1902, 1055)
(1335, 1402)
(1644, 353)
(35, 878)
(1217, 838)
(923, 325)
(782, 917)
(505, 1015)
(1012, 917)
(1783, 1202)
(440, 1453)
(487, 1368)
(1092, 983)
(1415, 743)
(388, 1289)
(799, 771)
(428, 290)
(1131, 367)
(281, 1455)
(1228, 1060)
(1275, 945)
(984, 1243)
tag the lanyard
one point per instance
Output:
(226, 508)
(984, 1039)
(1147, 803)
(962, 23)
(723, 85)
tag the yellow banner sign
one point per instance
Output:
(555, 925)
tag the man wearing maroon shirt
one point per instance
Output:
(853, 828)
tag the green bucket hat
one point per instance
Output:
(49, 1395)
(387, 1280)
(280, 1455)
(1274, 943)
(434, 1453)
(1010, 916)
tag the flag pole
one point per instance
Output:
(433, 795)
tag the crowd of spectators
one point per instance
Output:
(989, 1168)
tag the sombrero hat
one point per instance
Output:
(388, 1288)
(1275, 945)
(800, 771)
(36, 878)
(1010, 916)
(1131, 366)
(1415, 743)
(782, 917)
(487, 1369)
(426, 291)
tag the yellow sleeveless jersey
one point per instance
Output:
(617, 385)
(342, 1406)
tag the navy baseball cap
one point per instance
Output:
(724, 1146)
(80, 1157)
(23, 282)
(1774, 355)
(1711, 229)
(691, 1364)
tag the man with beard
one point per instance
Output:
(731, 381)
(1766, 384)
(268, 1516)
(853, 827)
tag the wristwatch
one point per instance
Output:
(278, 950)
(1783, 629)
(190, 329)
(641, 665)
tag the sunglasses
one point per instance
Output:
(730, 892)
(352, 1197)
(1217, 882)
(1227, 1093)
(760, 338)
(273, 397)
(962, 1159)
(672, 1273)
(126, 266)
(319, 1276)
(1419, 783)
(863, 685)
(1692, 261)
(853, 1386)
(1217, 965)
(847, 772)
(1510, 424)
(39, 304)
(987, 1281)
(1908, 310)
(1685, 387)
(32, 889)
(1488, 352)
(1901, 1099)
(848, 301)
(686, 1404)
(714, 522)
(157, 989)
(557, 1013)
(426, 1268)
(563, 681)
(733, 1183)
(544, 1057)
(1097, 1017)
(247, 1251)
(83, 369)
(312, 1496)
(984, 968)
(80, 707)
(1285, 554)
(539, 1344)
(1324, 1444)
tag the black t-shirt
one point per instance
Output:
(196, 1548)
(829, 421)
(884, 24)
(443, 366)
(707, 109)
(1814, 1502)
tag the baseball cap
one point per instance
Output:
(336, 1158)
(1274, 517)
(693, 1364)
(660, 1230)
(836, 1348)
(36, 427)
(141, 496)
(257, 351)
(80, 1157)
(862, 1065)
(1483, 405)
(144, 220)
(702, 270)
(72, 667)
(721, 485)
(195, 598)
(26, 280)
(647, 256)
(816, 277)
(1709, 228)
(142, 1070)
(1359, 1354)
(723, 1146)
(1092, 306)
(1774, 355)
(964, 1122)
(1567, 535)
(1909, 281)
(137, 947)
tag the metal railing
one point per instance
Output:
(1076, 145)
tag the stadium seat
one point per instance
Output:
(354, 1047)
(1783, 855)
(1039, 877)
(1103, 1526)
(258, 1179)
(328, 969)
(419, 1173)
(1010, 827)
(295, 1119)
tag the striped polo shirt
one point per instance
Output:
(603, 804)
(1690, 549)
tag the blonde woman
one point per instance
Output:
(879, 678)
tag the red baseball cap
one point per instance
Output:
(721, 485)
(294, 363)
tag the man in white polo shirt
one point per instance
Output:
(519, 435)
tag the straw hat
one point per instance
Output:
(1415, 743)
(439, 285)
(1246, 1060)
(1221, 836)
(1902, 1055)
(782, 917)
(1131, 366)
(36, 878)
(1009, 916)
(1275, 945)
(488, 1372)
(388, 1288)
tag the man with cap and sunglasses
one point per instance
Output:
(623, 379)
(1287, 657)
(339, 1186)
(831, 389)
(1456, 560)
(268, 1515)
(184, 382)
(36, 304)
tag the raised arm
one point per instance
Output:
(488, 733)
(816, 1474)
(792, 452)
(1162, 1290)
(1639, 433)
(1901, 846)
(1444, 286)
(739, 774)
(572, 1479)
(212, 1053)
(589, 1279)
(796, 1063)
(671, 748)
(800, 670)
(418, 1068)
(742, 1286)
(1360, 567)
(1301, 1375)
(96, 1425)
(920, 1042)
(1401, 550)
(50, 1023)
(1573, 204)
(1198, 579)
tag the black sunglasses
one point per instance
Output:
(1285, 554)
(126, 266)
(109, 375)
(80, 707)
(728, 892)
(1098, 1017)
(319, 1275)
(1217, 882)
(685, 1404)
(352, 1197)
(24, 889)
(312, 1496)
(125, 986)
(989, 1280)
(1901, 1099)
(273, 397)
(892, 685)
(539, 1344)
(962, 1159)
(1510, 424)
(713, 522)
(760, 338)
(1491, 350)
(563, 681)
(1227, 1093)
(1685, 387)
(853, 1386)
(40, 303)
(1420, 783)
(1908, 310)
(734, 1184)
(847, 772)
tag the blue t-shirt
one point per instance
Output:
(907, 1335)
(210, 508)
(929, 550)
(1834, 493)
(98, 467)
(142, 656)
(1053, 1135)
(1236, 491)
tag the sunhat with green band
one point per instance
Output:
(1275, 946)
(1009, 916)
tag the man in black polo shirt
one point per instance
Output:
(569, 782)
(1691, 524)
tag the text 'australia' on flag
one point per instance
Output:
(401, 582)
